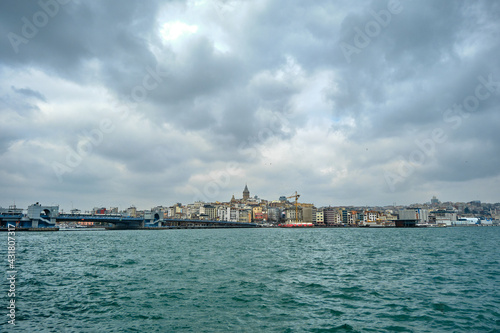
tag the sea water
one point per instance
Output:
(255, 280)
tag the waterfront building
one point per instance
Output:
(360, 217)
(331, 216)
(228, 213)
(222, 214)
(371, 216)
(131, 211)
(273, 214)
(209, 211)
(343, 216)
(294, 216)
(387, 218)
(12, 210)
(443, 217)
(320, 218)
(234, 214)
(307, 212)
(256, 210)
(353, 217)
(260, 218)
(171, 212)
(192, 210)
(418, 214)
(177, 211)
(99, 210)
(245, 216)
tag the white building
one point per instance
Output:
(419, 214)
(226, 213)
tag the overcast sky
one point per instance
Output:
(146, 103)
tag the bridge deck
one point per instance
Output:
(122, 219)
(127, 220)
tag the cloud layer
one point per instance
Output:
(157, 102)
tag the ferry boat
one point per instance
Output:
(296, 225)
(77, 227)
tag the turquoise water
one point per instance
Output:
(257, 280)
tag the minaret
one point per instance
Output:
(246, 193)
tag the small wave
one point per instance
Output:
(442, 307)
(129, 262)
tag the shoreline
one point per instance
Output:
(238, 227)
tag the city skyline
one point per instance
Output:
(248, 197)
(248, 211)
(366, 103)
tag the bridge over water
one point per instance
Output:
(48, 216)
(127, 222)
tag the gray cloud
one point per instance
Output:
(29, 93)
(262, 84)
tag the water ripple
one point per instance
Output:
(262, 280)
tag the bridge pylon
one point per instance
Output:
(42, 216)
